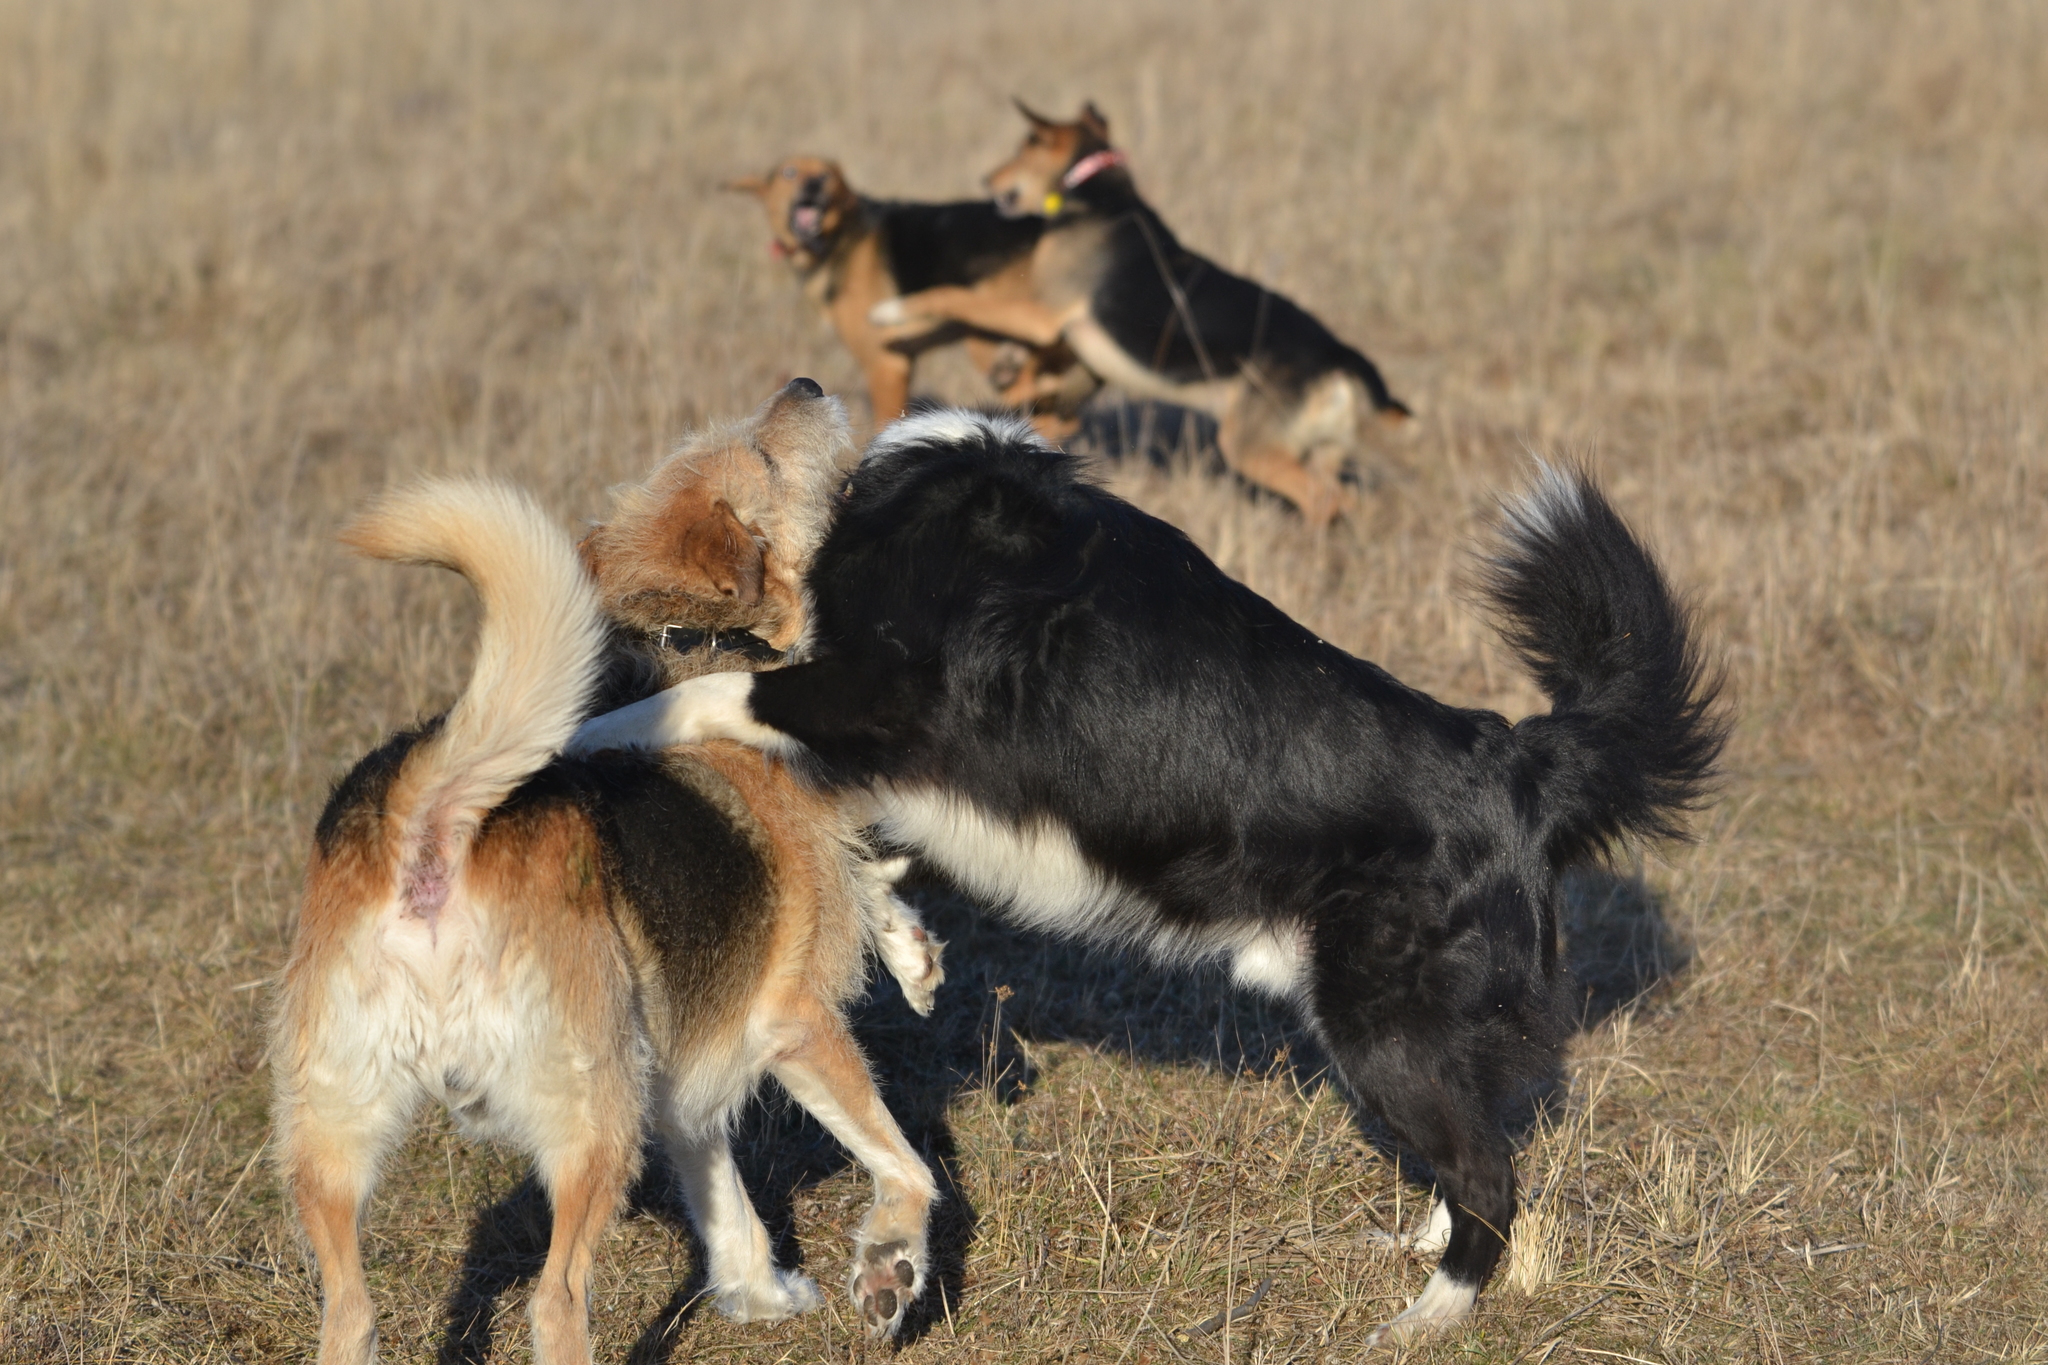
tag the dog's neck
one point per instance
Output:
(743, 644)
(1098, 182)
(640, 663)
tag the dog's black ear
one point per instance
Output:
(717, 550)
(1093, 120)
(1037, 119)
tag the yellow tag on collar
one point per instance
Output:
(1052, 203)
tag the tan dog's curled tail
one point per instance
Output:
(537, 660)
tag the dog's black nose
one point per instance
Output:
(807, 387)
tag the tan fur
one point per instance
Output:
(851, 276)
(718, 535)
(536, 662)
(520, 985)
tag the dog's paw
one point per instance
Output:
(1442, 1302)
(919, 974)
(784, 1295)
(886, 1278)
(911, 954)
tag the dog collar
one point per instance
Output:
(746, 644)
(1085, 169)
(1090, 166)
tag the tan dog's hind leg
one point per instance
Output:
(348, 1323)
(330, 1162)
(1280, 470)
(584, 1190)
(745, 1284)
(827, 1075)
(1274, 466)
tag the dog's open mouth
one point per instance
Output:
(807, 225)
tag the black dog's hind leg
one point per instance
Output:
(1441, 1031)
(1440, 1118)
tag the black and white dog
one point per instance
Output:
(1065, 706)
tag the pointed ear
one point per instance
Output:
(844, 196)
(718, 552)
(755, 185)
(1093, 121)
(1038, 120)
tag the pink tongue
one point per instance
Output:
(806, 220)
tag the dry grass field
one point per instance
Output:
(1777, 270)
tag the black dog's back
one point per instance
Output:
(1039, 627)
(1237, 324)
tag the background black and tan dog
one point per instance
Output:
(1110, 279)
(851, 252)
(565, 950)
(1065, 706)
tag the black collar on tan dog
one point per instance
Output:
(746, 644)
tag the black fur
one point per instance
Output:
(923, 245)
(1239, 324)
(926, 245)
(356, 805)
(991, 626)
(688, 866)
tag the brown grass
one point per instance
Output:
(1777, 269)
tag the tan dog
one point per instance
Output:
(852, 252)
(1142, 311)
(561, 950)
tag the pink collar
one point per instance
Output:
(1090, 166)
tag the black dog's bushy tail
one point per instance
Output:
(1633, 731)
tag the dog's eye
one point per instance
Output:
(789, 172)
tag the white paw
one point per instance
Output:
(909, 952)
(1441, 1302)
(784, 1296)
(889, 313)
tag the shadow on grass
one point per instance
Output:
(508, 1243)
(1006, 991)
(1117, 430)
